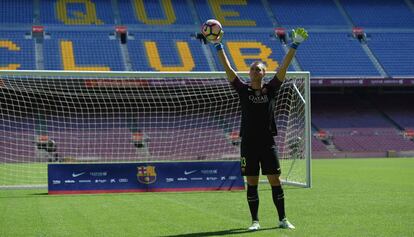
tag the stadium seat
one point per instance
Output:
(155, 13)
(166, 52)
(335, 54)
(395, 51)
(67, 13)
(308, 13)
(82, 51)
(16, 12)
(234, 15)
(16, 52)
(379, 13)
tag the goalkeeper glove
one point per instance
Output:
(216, 42)
(298, 36)
(201, 37)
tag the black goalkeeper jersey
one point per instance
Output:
(257, 107)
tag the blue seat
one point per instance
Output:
(20, 12)
(153, 13)
(379, 13)
(17, 50)
(395, 52)
(307, 13)
(335, 54)
(92, 12)
(167, 51)
(250, 15)
(90, 49)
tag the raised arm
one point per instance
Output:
(298, 36)
(231, 74)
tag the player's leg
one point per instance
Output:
(253, 200)
(279, 201)
(271, 168)
(250, 168)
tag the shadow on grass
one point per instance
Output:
(219, 233)
(24, 195)
(39, 194)
(266, 187)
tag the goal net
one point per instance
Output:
(74, 117)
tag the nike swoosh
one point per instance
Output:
(189, 172)
(74, 175)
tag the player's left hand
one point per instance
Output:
(299, 35)
(201, 37)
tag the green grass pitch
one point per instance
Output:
(349, 197)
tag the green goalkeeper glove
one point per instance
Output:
(298, 36)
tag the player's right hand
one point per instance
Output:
(299, 35)
(219, 38)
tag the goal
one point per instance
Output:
(75, 117)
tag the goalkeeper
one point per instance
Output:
(258, 127)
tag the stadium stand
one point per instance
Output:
(94, 144)
(356, 125)
(380, 13)
(166, 52)
(16, 138)
(335, 54)
(161, 38)
(16, 51)
(16, 12)
(76, 13)
(398, 109)
(318, 146)
(397, 60)
(237, 14)
(151, 13)
(15, 146)
(317, 13)
(81, 51)
(198, 144)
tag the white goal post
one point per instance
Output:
(74, 117)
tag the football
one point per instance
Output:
(211, 29)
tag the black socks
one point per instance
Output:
(279, 201)
(253, 201)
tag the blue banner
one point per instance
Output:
(144, 177)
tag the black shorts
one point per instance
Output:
(255, 157)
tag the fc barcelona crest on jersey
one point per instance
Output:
(146, 174)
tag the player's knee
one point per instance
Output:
(274, 180)
(252, 180)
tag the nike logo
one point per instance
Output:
(189, 172)
(74, 175)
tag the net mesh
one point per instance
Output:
(290, 114)
(96, 118)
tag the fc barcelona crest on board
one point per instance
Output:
(146, 174)
(144, 177)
